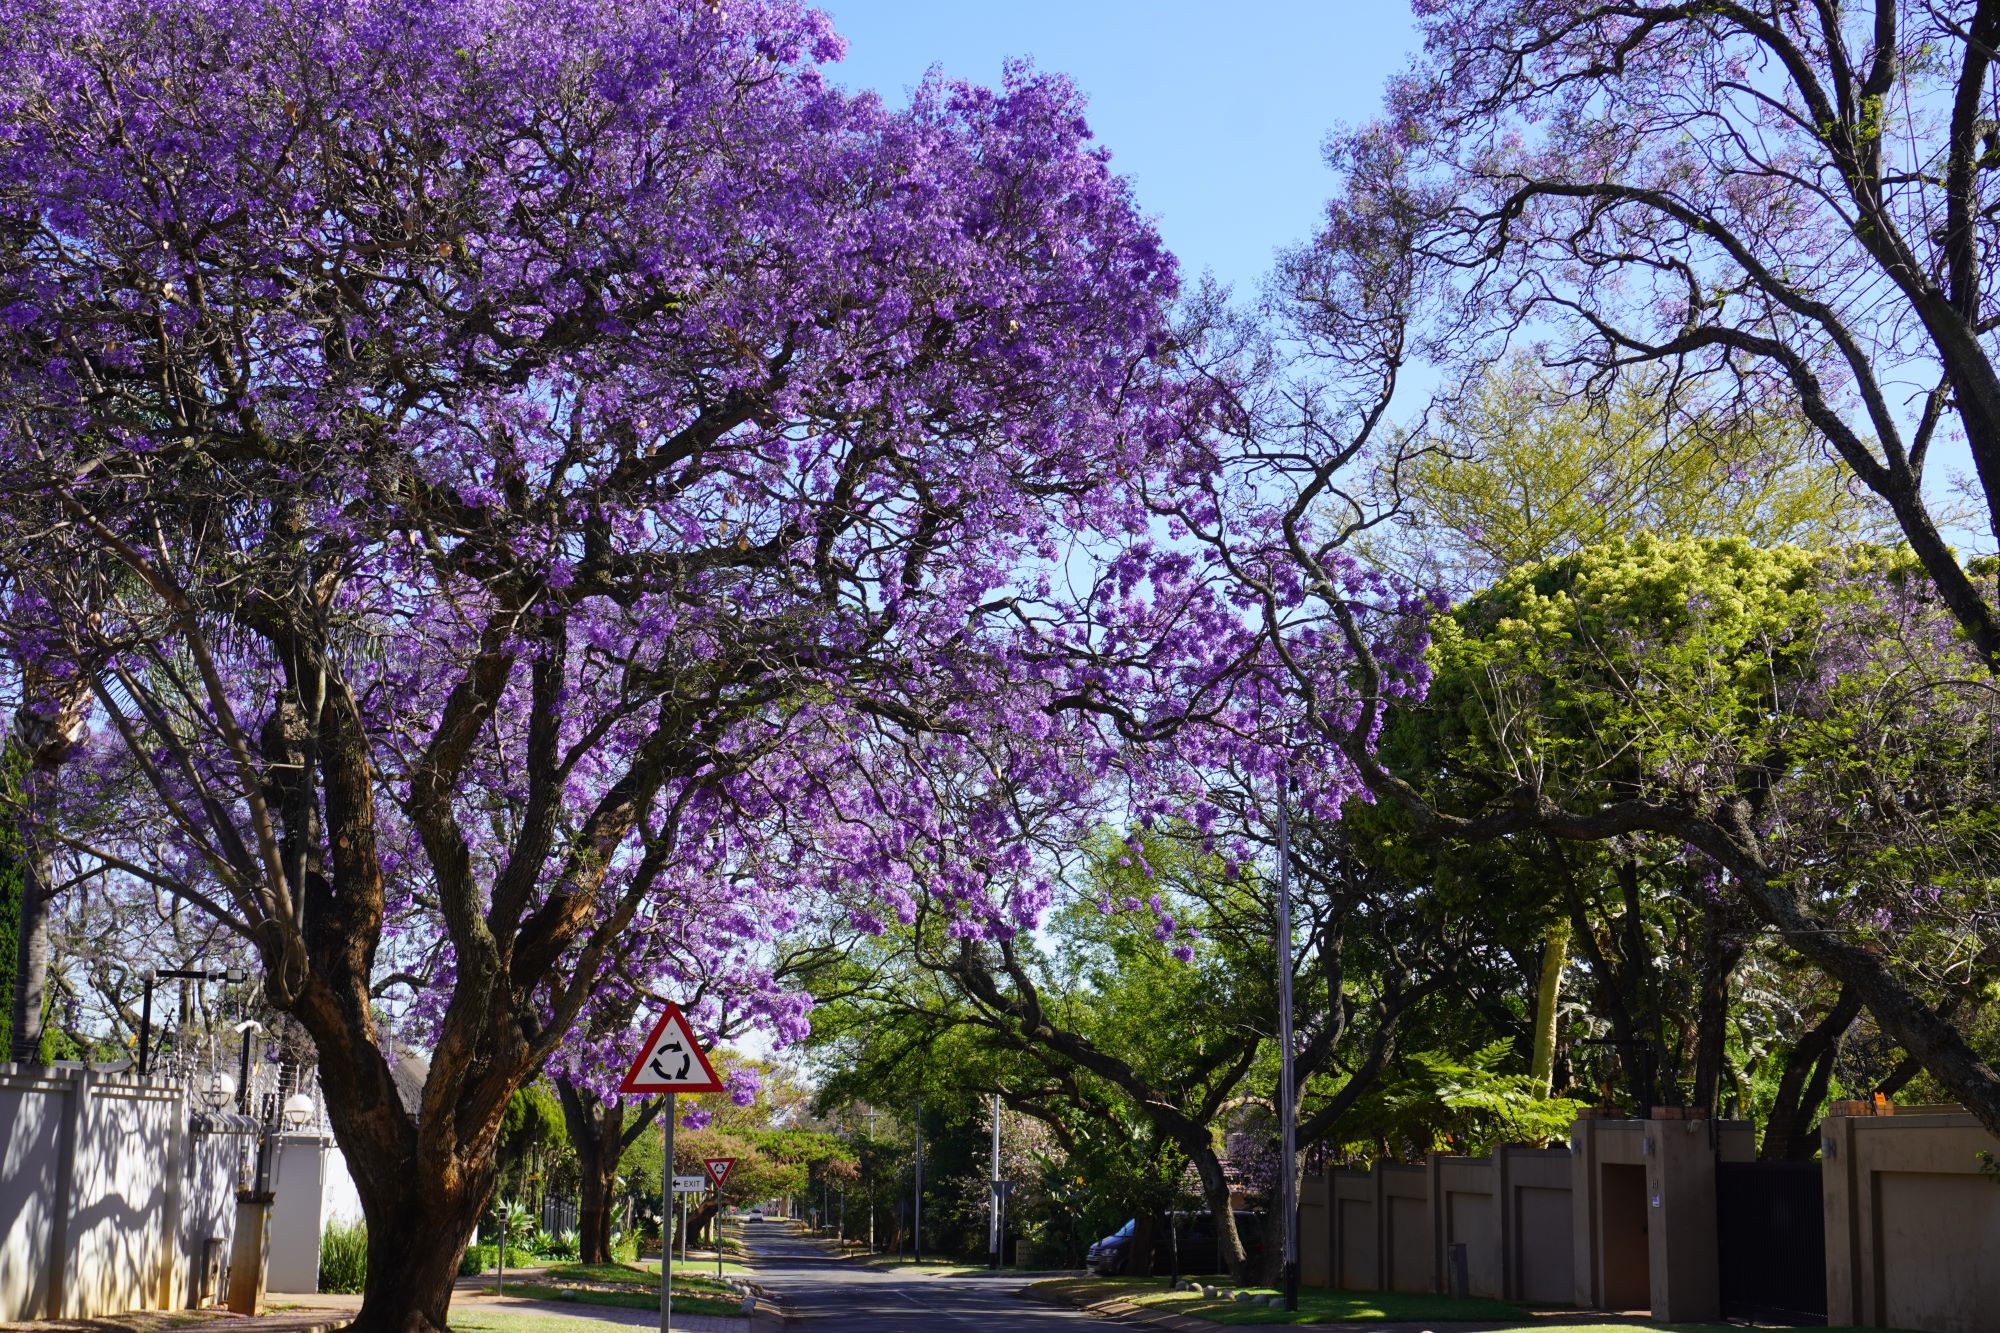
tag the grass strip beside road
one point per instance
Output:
(1316, 1305)
(689, 1296)
(939, 1267)
(644, 1273)
(1320, 1306)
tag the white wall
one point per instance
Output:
(314, 1192)
(33, 1107)
(101, 1188)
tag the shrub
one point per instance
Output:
(479, 1259)
(343, 1257)
(564, 1245)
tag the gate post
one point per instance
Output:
(1680, 1208)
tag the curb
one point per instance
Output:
(1123, 1311)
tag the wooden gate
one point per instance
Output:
(1770, 1231)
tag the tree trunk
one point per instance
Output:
(30, 873)
(1808, 1070)
(52, 712)
(1215, 1192)
(1548, 997)
(596, 1134)
(1139, 1257)
(410, 1285)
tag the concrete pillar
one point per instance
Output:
(1838, 1193)
(1680, 1203)
(1583, 1212)
(69, 1194)
(247, 1255)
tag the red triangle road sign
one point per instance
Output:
(671, 1060)
(718, 1168)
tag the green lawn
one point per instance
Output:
(1320, 1306)
(645, 1272)
(690, 1294)
(942, 1267)
(1316, 1305)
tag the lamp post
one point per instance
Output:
(233, 975)
(993, 1238)
(917, 1213)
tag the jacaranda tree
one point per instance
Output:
(572, 473)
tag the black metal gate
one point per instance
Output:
(1770, 1232)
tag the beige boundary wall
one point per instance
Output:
(1624, 1219)
(1912, 1221)
(107, 1202)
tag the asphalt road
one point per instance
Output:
(828, 1295)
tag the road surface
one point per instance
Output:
(828, 1295)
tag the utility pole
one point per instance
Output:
(993, 1190)
(917, 1214)
(1288, 1108)
(871, 1183)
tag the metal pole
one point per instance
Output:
(993, 1190)
(917, 1208)
(871, 1184)
(243, 1076)
(1288, 1109)
(666, 1225)
(146, 1025)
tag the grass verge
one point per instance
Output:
(690, 1295)
(1320, 1306)
(642, 1274)
(1316, 1305)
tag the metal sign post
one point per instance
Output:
(666, 1226)
(670, 1062)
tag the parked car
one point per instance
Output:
(1107, 1256)
(1195, 1239)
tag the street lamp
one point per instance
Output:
(235, 976)
(298, 1110)
(216, 1090)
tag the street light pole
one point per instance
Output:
(917, 1219)
(993, 1190)
(1288, 1108)
(871, 1183)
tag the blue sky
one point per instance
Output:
(1215, 111)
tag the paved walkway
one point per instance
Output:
(476, 1293)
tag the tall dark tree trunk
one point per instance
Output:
(51, 714)
(1718, 963)
(595, 1131)
(1215, 1193)
(600, 1134)
(1808, 1070)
